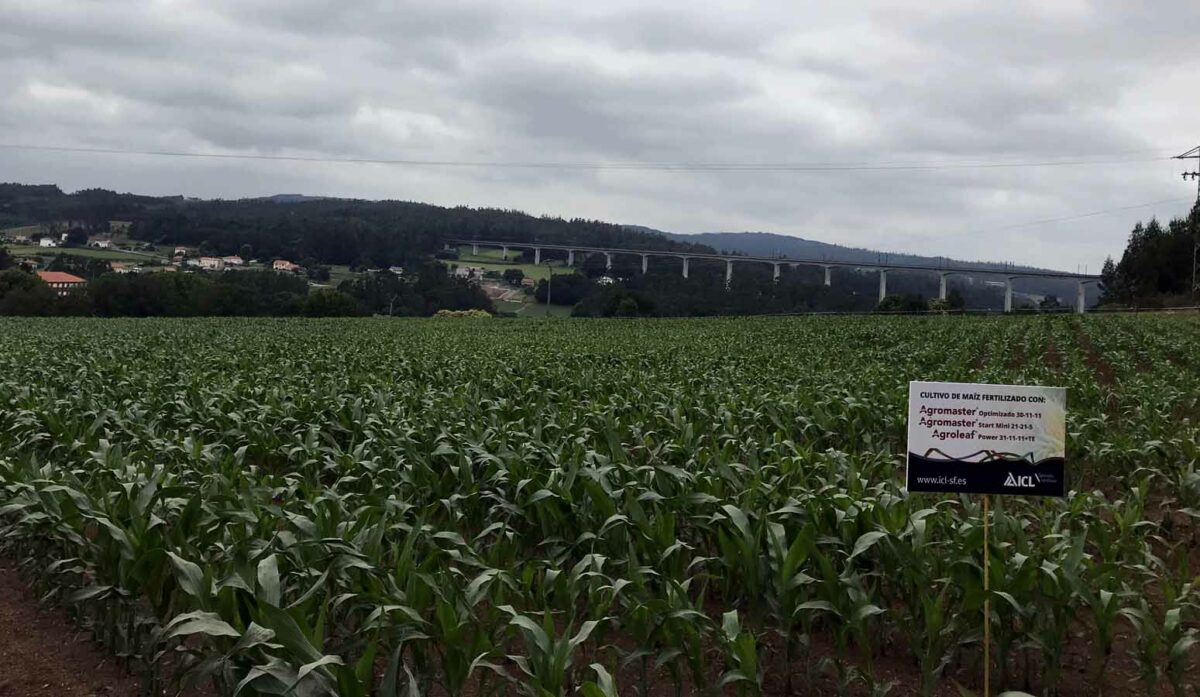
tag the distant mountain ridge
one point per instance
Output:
(767, 244)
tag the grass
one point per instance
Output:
(491, 260)
(337, 274)
(22, 250)
(22, 230)
(533, 310)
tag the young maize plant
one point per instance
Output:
(689, 507)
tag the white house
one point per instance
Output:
(234, 261)
(284, 265)
(48, 242)
(212, 263)
(100, 243)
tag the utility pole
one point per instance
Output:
(1194, 154)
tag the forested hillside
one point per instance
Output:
(378, 234)
(328, 231)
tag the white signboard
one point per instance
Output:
(987, 439)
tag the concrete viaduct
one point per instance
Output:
(778, 262)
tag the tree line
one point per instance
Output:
(1157, 266)
(239, 293)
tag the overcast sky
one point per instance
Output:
(634, 82)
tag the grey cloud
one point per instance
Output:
(626, 81)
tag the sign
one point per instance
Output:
(987, 439)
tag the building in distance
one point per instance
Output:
(62, 283)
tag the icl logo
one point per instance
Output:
(1023, 481)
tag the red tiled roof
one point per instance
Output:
(58, 277)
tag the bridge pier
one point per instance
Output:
(882, 284)
(828, 276)
(685, 267)
(570, 257)
(728, 272)
(607, 261)
(942, 286)
(537, 255)
(474, 249)
(775, 273)
(645, 263)
(504, 253)
(1008, 295)
(1080, 298)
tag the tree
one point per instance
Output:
(25, 294)
(568, 289)
(246, 252)
(6, 259)
(318, 272)
(902, 303)
(513, 277)
(326, 302)
(77, 237)
(1111, 288)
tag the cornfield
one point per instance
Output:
(664, 507)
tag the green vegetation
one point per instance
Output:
(241, 292)
(339, 234)
(627, 507)
(21, 250)
(491, 260)
(1156, 269)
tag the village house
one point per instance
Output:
(184, 251)
(234, 261)
(62, 283)
(284, 265)
(48, 242)
(100, 243)
(212, 263)
(473, 274)
(124, 267)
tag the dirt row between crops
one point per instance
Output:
(42, 652)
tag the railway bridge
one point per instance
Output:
(943, 272)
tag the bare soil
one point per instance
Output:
(1053, 357)
(42, 652)
(1104, 372)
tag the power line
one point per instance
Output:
(1047, 221)
(628, 166)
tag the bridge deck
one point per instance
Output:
(1013, 273)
